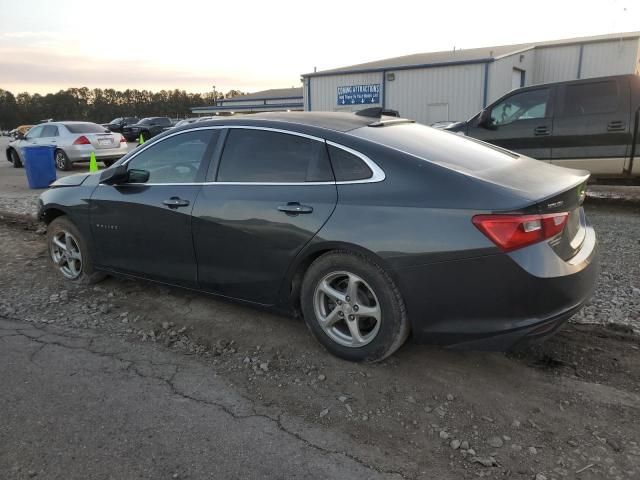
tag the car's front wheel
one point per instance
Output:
(353, 307)
(69, 253)
(15, 159)
(62, 161)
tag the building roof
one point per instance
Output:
(472, 55)
(274, 93)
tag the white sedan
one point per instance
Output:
(74, 142)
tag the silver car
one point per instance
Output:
(74, 142)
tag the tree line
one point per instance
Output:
(100, 105)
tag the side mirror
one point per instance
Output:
(484, 120)
(112, 176)
(120, 174)
(137, 176)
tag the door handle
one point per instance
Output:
(175, 202)
(294, 208)
(615, 126)
(541, 131)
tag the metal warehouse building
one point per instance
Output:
(454, 85)
(275, 100)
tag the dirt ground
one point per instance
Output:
(568, 408)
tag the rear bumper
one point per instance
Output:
(497, 301)
(82, 153)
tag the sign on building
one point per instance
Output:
(359, 94)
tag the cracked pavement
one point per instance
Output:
(129, 379)
(88, 406)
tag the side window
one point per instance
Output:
(348, 167)
(49, 131)
(163, 121)
(176, 159)
(521, 106)
(35, 132)
(590, 98)
(273, 157)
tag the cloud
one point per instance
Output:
(45, 70)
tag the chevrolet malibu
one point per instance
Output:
(372, 228)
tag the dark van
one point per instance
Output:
(588, 124)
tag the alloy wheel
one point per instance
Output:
(60, 160)
(66, 254)
(347, 309)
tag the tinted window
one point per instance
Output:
(145, 121)
(590, 98)
(50, 131)
(272, 157)
(347, 166)
(521, 106)
(162, 121)
(176, 159)
(35, 132)
(115, 121)
(85, 128)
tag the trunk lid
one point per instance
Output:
(103, 140)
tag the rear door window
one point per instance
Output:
(50, 131)
(590, 98)
(348, 167)
(263, 156)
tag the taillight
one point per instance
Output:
(122, 139)
(510, 232)
(82, 140)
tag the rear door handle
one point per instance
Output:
(541, 131)
(294, 208)
(175, 202)
(616, 126)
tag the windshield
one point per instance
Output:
(145, 121)
(85, 128)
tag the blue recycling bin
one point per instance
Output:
(40, 165)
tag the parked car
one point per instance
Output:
(591, 124)
(371, 227)
(147, 127)
(74, 142)
(20, 132)
(117, 124)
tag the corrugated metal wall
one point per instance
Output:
(422, 94)
(500, 73)
(609, 58)
(555, 64)
(324, 91)
(426, 94)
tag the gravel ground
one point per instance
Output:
(565, 409)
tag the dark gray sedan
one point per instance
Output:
(372, 228)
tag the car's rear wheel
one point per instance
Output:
(62, 161)
(69, 253)
(353, 307)
(15, 159)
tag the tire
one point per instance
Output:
(62, 161)
(15, 159)
(378, 335)
(76, 266)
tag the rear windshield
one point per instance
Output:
(445, 148)
(85, 128)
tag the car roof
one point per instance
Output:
(337, 121)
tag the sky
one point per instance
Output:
(253, 45)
